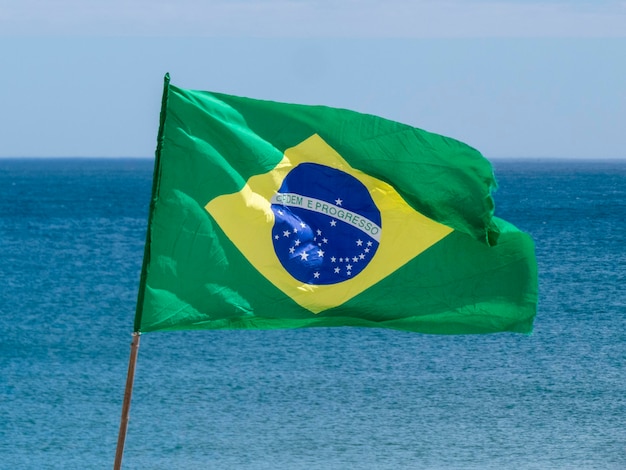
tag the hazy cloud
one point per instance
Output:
(315, 18)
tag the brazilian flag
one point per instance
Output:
(270, 215)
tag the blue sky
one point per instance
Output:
(511, 78)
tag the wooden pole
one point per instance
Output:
(130, 377)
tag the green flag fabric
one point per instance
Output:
(270, 215)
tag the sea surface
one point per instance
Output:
(71, 245)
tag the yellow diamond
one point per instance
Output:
(405, 232)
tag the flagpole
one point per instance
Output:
(130, 377)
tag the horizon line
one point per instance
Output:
(136, 157)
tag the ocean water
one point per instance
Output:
(71, 240)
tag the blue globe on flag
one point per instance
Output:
(327, 227)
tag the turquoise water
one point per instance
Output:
(72, 233)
